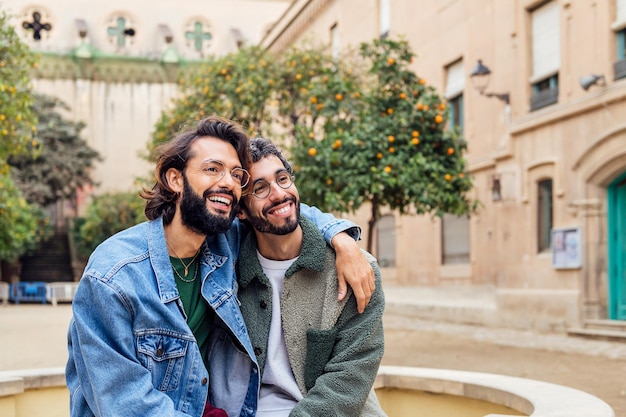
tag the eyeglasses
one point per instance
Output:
(216, 170)
(262, 188)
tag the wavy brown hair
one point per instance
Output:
(161, 199)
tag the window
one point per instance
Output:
(334, 41)
(455, 245)
(198, 37)
(619, 67)
(384, 12)
(546, 53)
(455, 84)
(544, 214)
(386, 241)
(121, 32)
(36, 26)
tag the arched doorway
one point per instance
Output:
(617, 247)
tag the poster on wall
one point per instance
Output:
(566, 248)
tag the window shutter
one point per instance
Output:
(456, 239)
(620, 12)
(386, 233)
(455, 80)
(385, 16)
(546, 41)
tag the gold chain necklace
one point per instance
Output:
(181, 261)
(195, 273)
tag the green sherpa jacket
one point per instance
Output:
(334, 351)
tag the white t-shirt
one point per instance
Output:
(279, 390)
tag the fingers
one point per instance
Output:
(342, 287)
(363, 294)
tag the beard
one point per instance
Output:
(263, 225)
(197, 217)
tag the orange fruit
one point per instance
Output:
(379, 155)
(450, 151)
(438, 118)
(391, 61)
(387, 169)
(339, 96)
(389, 111)
(392, 149)
(426, 107)
(312, 135)
(223, 71)
(337, 144)
(461, 175)
(319, 106)
(356, 95)
(415, 133)
(402, 96)
(298, 76)
(442, 106)
(422, 81)
(313, 100)
(312, 151)
(448, 177)
(420, 106)
(329, 181)
(391, 138)
(415, 92)
(415, 141)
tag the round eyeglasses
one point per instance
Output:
(216, 170)
(261, 188)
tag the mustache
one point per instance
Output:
(278, 203)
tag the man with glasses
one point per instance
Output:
(156, 327)
(318, 356)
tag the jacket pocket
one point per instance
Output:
(319, 348)
(163, 354)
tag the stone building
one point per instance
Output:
(544, 115)
(539, 90)
(116, 63)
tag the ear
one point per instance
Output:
(175, 180)
(241, 214)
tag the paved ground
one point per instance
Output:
(34, 336)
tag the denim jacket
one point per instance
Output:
(131, 352)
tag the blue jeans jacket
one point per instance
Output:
(131, 352)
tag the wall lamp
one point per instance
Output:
(480, 76)
(593, 79)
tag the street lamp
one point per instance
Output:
(480, 76)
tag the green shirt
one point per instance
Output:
(199, 314)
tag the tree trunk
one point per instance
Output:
(372, 224)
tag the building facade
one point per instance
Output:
(539, 90)
(117, 63)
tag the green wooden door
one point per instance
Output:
(617, 248)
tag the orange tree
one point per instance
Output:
(270, 95)
(384, 142)
(237, 86)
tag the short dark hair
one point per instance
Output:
(261, 148)
(161, 199)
